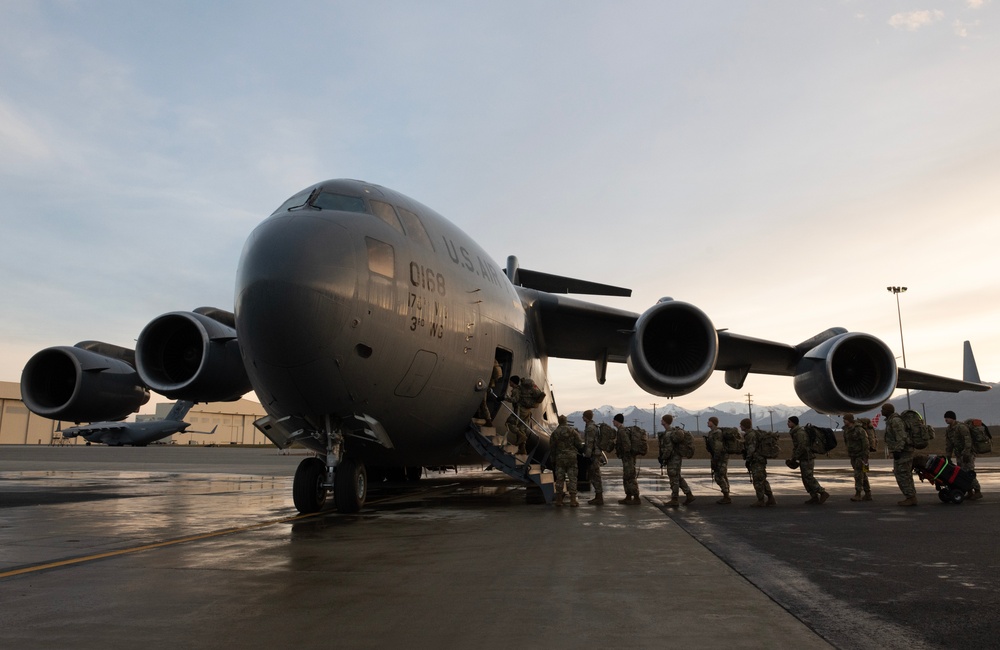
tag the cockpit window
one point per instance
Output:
(340, 202)
(385, 212)
(414, 228)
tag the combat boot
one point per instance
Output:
(673, 503)
(823, 496)
(688, 498)
(857, 496)
(770, 499)
(573, 503)
(725, 499)
(636, 501)
(598, 499)
(759, 503)
(559, 499)
(627, 501)
(868, 496)
(977, 495)
(908, 501)
(813, 498)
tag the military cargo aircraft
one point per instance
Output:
(137, 434)
(369, 327)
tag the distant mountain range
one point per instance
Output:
(985, 406)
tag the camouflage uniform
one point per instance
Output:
(630, 476)
(564, 443)
(720, 460)
(757, 466)
(522, 402)
(958, 440)
(670, 457)
(857, 444)
(802, 453)
(898, 443)
(592, 450)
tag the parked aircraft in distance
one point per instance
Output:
(368, 325)
(137, 434)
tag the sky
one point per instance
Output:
(777, 164)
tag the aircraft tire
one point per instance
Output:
(350, 486)
(308, 492)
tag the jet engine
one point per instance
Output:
(674, 349)
(87, 383)
(193, 356)
(849, 373)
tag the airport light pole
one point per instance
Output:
(899, 315)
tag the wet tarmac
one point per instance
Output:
(198, 548)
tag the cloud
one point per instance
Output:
(914, 20)
(974, 4)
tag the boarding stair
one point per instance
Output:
(494, 448)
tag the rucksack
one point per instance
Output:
(767, 443)
(732, 440)
(684, 441)
(982, 441)
(866, 423)
(606, 437)
(920, 434)
(640, 441)
(530, 395)
(821, 439)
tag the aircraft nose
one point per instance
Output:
(294, 291)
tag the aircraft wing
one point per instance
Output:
(673, 348)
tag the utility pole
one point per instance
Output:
(771, 413)
(899, 315)
(750, 407)
(654, 418)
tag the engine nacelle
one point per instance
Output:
(674, 349)
(80, 385)
(192, 356)
(849, 373)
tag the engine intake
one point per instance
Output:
(193, 356)
(674, 349)
(849, 373)
(81, 385)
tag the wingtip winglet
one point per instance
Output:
(970, 372)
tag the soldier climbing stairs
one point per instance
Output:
(493, 447)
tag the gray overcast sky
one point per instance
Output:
(778, 164)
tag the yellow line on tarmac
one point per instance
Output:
(147, 547)
(193, 538)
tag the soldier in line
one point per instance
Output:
(958, 441)
(523, 398)
(671, 456)
(898, 443)
(564, 444)
(803, 454)
(857, 444)
(592, 450)
(630, 477)
(720, 459)
(756, 465)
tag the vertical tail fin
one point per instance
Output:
(970, 372)
(179, 410)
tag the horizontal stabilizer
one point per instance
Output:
(560, 284)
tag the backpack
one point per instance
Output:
(821, 439)
(684, 442)
(866, 423)
(982, 441)
(530, 395)
(732, 440)
(640, 441)
(767, 444)
(606, 437)
(919, 433)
